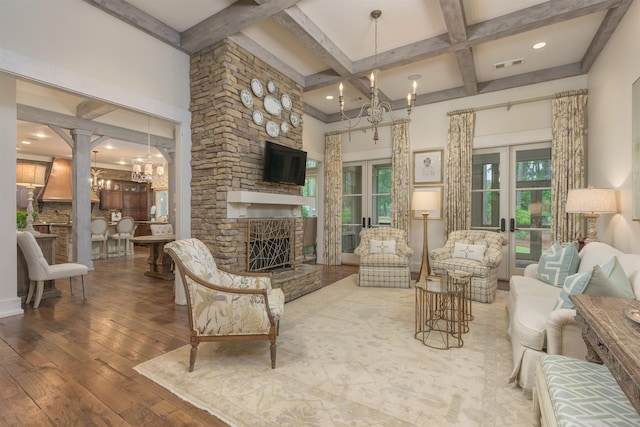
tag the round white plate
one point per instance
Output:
(633, 314)
(294, 119)
(258, 118)
(286, 102)
(271, 86)
(284, 127)
(257, 88)
(272, 129)
(272, 105)
(246, 98)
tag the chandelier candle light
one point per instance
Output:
(374, 108)
(97, 183)
(144, 169)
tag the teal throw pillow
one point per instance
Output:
(573, 285)
(558, 262)
(610, 280)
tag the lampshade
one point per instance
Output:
(30, 174)
(425, 201)
(591, 200)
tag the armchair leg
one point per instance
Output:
(273, 352)
(39, 291)
(192, 357)
(32, 287)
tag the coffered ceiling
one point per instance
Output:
(457, 47)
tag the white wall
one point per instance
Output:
(71, 45)
(524, 123)
(609, 142)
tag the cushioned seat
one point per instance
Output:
(99, 234)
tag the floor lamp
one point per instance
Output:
(591, 202)
(425, 201)
(30, 175)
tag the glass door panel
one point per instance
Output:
(366, 202)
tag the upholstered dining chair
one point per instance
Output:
(223, 305)
(124, 232)
(384, 258)
(99, 234)
(40, 270)
(161, 229)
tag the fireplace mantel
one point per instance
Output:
(253, 204)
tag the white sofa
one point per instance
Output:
(536, 329)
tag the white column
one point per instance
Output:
(81, 207)
(9, 302)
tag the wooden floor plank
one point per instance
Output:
(70, 362)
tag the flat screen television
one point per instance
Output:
(283, 164)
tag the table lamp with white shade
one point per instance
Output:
(591, 202)
(425, 201)
(30, 175)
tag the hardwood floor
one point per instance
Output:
(70, 362)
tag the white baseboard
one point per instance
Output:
(11, 307)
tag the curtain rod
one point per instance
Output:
(522, 101)
(365, 128)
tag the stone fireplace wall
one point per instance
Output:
(228, 146)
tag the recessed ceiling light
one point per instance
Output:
(109, 147)
(329, 97)
(41, 135)
(539, 45)
(414, 76)
(25, 142)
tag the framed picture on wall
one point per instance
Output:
(427, 167)
(433, 213)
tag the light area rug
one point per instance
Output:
(347, 356)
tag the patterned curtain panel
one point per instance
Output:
(401, 176)
(332, 252)
(458, 182)
(567, 160)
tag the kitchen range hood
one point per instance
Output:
(59, 187)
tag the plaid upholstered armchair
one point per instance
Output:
(384, 258)
(478, 252)
(223, 305)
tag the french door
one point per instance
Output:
(366, 201)
(511, 193)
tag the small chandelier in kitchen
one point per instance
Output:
(97, 183)
(375, 109)
(143, 169)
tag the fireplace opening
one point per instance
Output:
(270, 244)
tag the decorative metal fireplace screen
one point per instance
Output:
(270, 243)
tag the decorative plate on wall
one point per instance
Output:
(256, 87)
(272, 105)
(258, 118)
(286, 102)
(246, 98)
(272, 129)
(294, 119)
(271, 86)
(284, 127)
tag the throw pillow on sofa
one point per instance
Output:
(558, 262)
(610, 280)
(474, 252)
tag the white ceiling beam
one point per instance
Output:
(229, 21)
(91, 109)
(454, 18)
(141, 20)
(57, 120)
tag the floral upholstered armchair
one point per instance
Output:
(384, 258)
(223, 305)
(478, 252)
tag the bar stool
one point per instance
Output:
(124, 231)
(99, 234)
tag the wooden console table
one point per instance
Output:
(611, 337)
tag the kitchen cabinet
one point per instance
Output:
(131, 198)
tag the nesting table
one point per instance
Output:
(442, 310)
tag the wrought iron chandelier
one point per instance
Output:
(374, 109)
